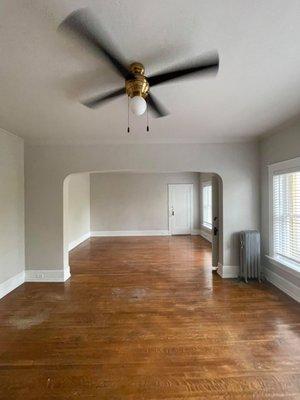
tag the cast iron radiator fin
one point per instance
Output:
(250, 267)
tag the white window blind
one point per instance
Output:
(207, 205)
(286, 216)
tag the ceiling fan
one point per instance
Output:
(137, 86)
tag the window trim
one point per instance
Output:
(203, 185)
(282, 167)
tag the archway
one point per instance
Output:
(216, 232)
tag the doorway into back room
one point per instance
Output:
(120, 204)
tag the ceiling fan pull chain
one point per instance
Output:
(128, 128)
(147, 121)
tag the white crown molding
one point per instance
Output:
(131, 233)
(77, 242)
(11, 284)
(4, 131)
(228, 271)
(47, 275)
(283, 284)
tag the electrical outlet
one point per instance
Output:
(40, 276)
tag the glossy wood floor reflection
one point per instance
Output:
(144, 318)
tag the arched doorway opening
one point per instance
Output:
(94, 204)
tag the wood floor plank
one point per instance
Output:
(145, 318)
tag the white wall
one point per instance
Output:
(11, 211)
(138, 202)
(78, 208)
(283, 145)
(47, 167)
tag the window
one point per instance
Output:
(207, 205)
(285, 221)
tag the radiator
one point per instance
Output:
(250, 267)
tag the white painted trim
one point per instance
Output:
(77, 242)
(281, 167)
(283, 284)
(270, 188)
(66, 273)
(11, 284)
(131, 233)
(288, 267)
(206, 235)
(47, 275)
(228, 271)
(291, 165)
(191, 216)
(196, 232)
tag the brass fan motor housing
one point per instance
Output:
(137, 86)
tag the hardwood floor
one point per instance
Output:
(144, 318)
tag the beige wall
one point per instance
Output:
(130, 201)
(11, 205)
(283, 145)
(78, 219)
(47, 166)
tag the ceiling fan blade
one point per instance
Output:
(98, 100)
(85, 27)
(155, 106)
(209, 64)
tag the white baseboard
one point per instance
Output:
(283, 284)
(206, 235)
(196, 232)
(47, 275)
(228, 271)
(11, 284)
(79, 240)
(44, 275)
(131, 233)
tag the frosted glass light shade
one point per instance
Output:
(138, 105)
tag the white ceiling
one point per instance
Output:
(44, 74)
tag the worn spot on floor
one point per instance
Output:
(26, 322)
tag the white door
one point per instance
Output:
(180, 209)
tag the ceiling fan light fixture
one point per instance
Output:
(138, 105)
(137, 85)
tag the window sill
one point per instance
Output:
(206, 228)
(285, 265)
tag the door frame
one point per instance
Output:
(191, 187)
